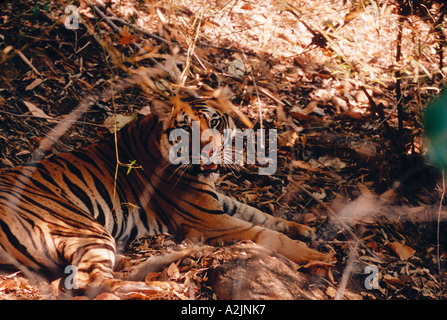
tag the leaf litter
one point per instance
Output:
(323, 74)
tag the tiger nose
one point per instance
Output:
(206, 162)
(207, 154)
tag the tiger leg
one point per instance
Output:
(245, 212)
(215, 228)
(91, 260)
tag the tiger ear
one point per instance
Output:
(161, 109)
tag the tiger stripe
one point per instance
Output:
(71, 209)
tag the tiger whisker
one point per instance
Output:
(177, 171)
(182, 169)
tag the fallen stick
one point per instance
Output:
(25, 59)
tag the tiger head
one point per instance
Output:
(193, 135)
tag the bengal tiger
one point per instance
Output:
(71, 209)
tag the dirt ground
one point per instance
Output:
(326, 74)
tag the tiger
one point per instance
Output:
(72, 209)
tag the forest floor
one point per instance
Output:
(323, 73)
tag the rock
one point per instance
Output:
(251, 272)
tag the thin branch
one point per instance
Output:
(113, 17)
(400, 110)
(25, 59)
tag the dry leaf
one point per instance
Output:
(106, 296)
(303, 114)
(33, 84)
(299, 164)
(310, 107)
(251, 196)
(152, 276)
(81, 298)
(23, 152)
(339, 104)
(333, 162)
(322, 269)
(247, 6)
(372, 245)
(393, 281)
(35, 111)
(331, 292)
(237, 67)
(365, 191)
(126, 37)
(404, 252)
(116, 122)
(173, 271)
(309, 218)
(287, 138)
(313, 107)
(7, 162)
(353, 115)
(10, 285)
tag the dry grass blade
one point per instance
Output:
(275, 64)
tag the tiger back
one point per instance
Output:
(71, 209)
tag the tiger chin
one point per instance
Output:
(71, 209)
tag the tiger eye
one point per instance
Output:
(214, 123)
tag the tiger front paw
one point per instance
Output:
(300, 231)
(301, 254)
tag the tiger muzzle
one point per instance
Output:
(206, 162)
